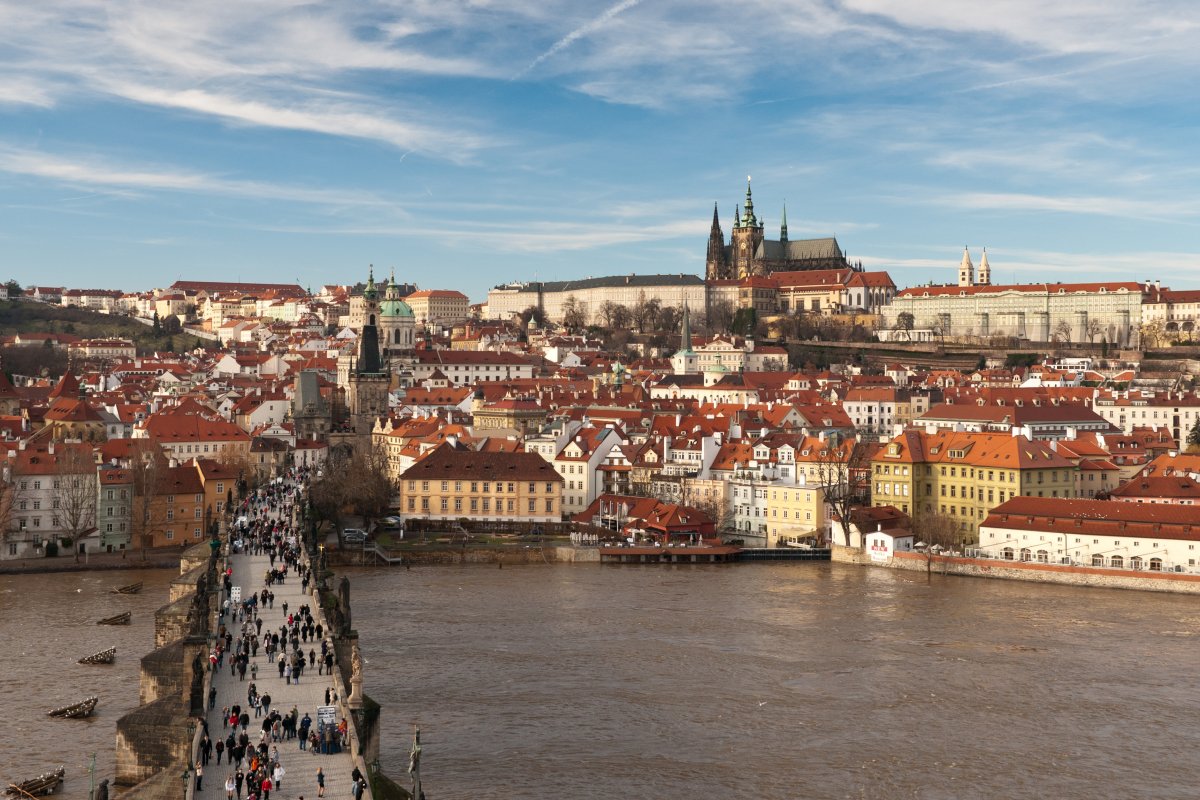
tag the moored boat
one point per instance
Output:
(132, 588)
(103, 657)
(44, 784)
(118, 619)
(83, 708)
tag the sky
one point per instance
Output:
(466, 143)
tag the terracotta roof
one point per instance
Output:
(1096, 517)
(446, 463)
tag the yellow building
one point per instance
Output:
(964, 476)
(451, 483)
(438, 305)
(794, 514)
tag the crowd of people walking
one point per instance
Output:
(270, 644)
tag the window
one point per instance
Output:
(424, 503)
(170, 513)
(549, 506)
(458, 504)
(532, 505)
(487, 487)
(549, 489)
(196, 514)
(169, 534)
(532, 489)
(445, 486)
(445, 504)
(487, 505)
(424, 486)
(412, 504)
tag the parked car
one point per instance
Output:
(390, 523)
(354, 536)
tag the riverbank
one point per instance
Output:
(442, 554)
(167, 558)
(1031, 571)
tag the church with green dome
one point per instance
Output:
(392, 317)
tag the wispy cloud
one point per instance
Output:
(1158, 210)
(580, 32)
(93, 172)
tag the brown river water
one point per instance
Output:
(746, 681)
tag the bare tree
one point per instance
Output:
(354, 480)
(1062, 331)
(146, 462)
(720, 316)
(574, 313)
(905, 322)
(1093, 329)
(10, 496)
(714, 505)
(843, 469)
(74, 491)
(938, 532)
(645, 313)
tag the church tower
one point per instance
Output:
(985, 271)
(685, 361)
(396, 322)
(745, 239)
(783, 226)
(966, 270)
(368, 381)
(714, 263)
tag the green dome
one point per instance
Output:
(395, 308)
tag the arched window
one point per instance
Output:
(1116, 561)
(396, 337)
(1156, 565)
(1043, 556)
(1135, 562)
(372, 319)
(1026, 555)
(1007, 554)
(1097, 561)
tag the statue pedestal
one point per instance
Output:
(355, 700)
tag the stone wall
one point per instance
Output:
(1028, 571)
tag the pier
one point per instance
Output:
(635, 554)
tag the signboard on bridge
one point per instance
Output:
(235, 594)
(327, 714)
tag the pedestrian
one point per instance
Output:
(277, 774)
(212, 698)
(357, 789)
(199, 777)
(239, 777)
(287, 673)
(220, 745)
(229, 787)
(320, 782)
(266, 789)
(312, 658)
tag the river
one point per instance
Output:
(742, 681)
(47, 623)
(778, 681)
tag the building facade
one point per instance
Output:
(451, 483)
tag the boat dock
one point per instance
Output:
(783, 554)
(636, 554)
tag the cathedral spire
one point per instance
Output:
(737, 216)
(750, 220)
(783, 224)
(716, 223)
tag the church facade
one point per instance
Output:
(749, 253)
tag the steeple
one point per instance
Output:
(783, 224)
(750, 220)
(371, 292)
(685, 331)
(985, 270)
(716, 223)
(737, 216)
(714, 260)
(966, 270)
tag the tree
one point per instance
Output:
(720, 316)
(354, 480)
(905, 323)
(1193, 437)
(146, 461)
(843, 469)
(645, 313)
(744, 321)
(1062, 331)
(1092, 329)
(10, 496)
(156, 325)
(574, 314)
(75, 490)
(533, 316)
(172, 326)
(12, 289)
(938, 532)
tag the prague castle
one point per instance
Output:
(749, 254)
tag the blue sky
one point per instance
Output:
(469, 142)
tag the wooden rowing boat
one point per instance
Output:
(132, 588)
(103, 657)
(44, 784)
(120, 619)
(83, 708)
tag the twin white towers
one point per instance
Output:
(966, 270)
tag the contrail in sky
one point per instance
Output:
(580, 32)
